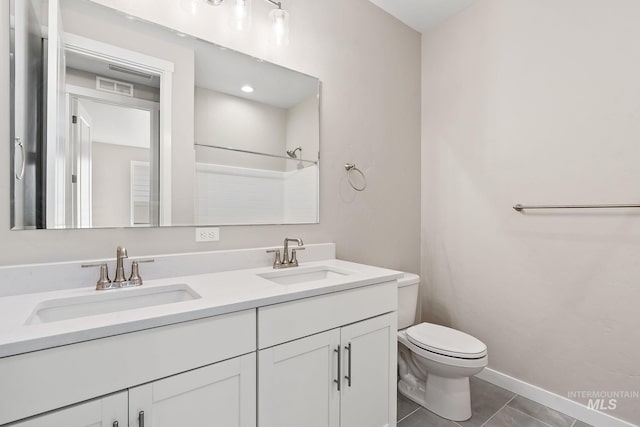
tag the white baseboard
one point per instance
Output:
(552, 400)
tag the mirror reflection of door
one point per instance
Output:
(111, 180)
(81, 141)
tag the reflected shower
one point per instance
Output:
(292, 153)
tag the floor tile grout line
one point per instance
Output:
(531, 416)
(503, 406)
(408, 415)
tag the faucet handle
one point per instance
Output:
(103, 282)
(277, 263)
(134, 278)
(294, 257)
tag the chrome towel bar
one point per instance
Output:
(521, 208)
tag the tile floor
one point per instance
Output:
(491, 406)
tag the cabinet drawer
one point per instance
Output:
(44, 380)
(288, 321)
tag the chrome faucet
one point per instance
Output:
(286, 260)
(120, 279)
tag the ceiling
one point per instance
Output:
(226, 71)
(216, 68)
(422, 15)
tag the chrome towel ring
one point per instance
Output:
(351, 168)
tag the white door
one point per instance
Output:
(223, 394)
(369, 372)
(297, 383)
(82, 180)
(110, 411)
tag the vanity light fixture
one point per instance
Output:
(247, 89)
(241, 16)
(279, 19)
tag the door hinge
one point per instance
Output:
(74, 119)
(74, 179)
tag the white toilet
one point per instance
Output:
(435, 362)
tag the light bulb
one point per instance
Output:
(279, 19)
(241, 16)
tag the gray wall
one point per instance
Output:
(111, 172)
(539, 104)
(369, 64)
(222, 119)
(302, 120)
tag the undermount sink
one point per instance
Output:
(297, 275)
(112, 301)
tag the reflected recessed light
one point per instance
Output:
(246, 89)
(130, 18)
(179, 34)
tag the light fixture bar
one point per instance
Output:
(240, 19)
(275, 3)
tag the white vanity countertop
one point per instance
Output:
(221, 293)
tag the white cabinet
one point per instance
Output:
(41, 381)
(319, 364)
(344, 377)
(109, 411)
(223, 394)
(369, 373)
(296, 386)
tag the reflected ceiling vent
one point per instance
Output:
(114, 86)
(126, 70)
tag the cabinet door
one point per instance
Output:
(223, 394)
(369, 373)
(110, 411)
(296, 385)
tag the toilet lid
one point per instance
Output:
(446, 341)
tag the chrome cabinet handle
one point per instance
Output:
(348, 377)
(141, 418)
(18, 143)
(338, 380)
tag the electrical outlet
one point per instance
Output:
(209, 234)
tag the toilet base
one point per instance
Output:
(449, 398)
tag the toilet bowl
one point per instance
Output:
(435, 362)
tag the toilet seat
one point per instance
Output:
(446, 341)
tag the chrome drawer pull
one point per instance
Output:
(337, 381)
(348, 377)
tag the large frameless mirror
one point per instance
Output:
(117, 122)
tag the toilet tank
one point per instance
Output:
(407, 299)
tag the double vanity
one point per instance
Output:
(230, 347)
